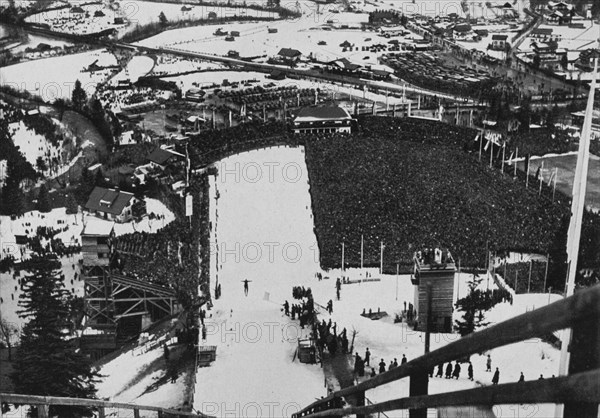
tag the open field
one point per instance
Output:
(59, 75)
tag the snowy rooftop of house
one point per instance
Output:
(309, 114)
(289, 52)
(108, 200)
(96, 226)
(160, 155)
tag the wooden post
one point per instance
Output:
(529, 282)
(101, 412)
(360, 401)
(136, 413)
(585, 356)
(419, 381)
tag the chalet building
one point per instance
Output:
(499, 42)
(162, 158)
(560, 6)
(111, 204)
(343, 64)
(549, 55)
(322, 119)
(545, 35)
(558, 18)
(289, 56)
(434, 281)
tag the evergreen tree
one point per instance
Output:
(46, 363)
(40, 164)
(43, 201)
(473, 305)
(12, 200)
(163, 19)
(79, 96)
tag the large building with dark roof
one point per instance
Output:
(111, 204)
(322, 119)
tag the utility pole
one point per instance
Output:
(381, 259)
(529, 282)
(397, 272)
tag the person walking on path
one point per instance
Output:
(456, 372)
(449, 371)
(488, 364)
(367, 357)
(381, 366)
(246, 281)
(496, 377)
(470, 371)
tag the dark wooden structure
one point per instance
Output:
(117, 307)
(103, 408)
(579, 391)
(440, 276)
(206, 355)
(307, 351)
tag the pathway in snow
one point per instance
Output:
(264, 233)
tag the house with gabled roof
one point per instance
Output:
(111, 204)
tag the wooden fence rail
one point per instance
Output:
(580, 312)
(43, 402)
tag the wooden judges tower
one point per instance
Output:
(117, 307)
(434, 272)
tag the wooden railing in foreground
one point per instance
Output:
(103, 408)
(579, 391)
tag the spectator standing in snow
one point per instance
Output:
(488, 364)
(404, 360)
(381, 366)
(440, 371)
(456, 372)
(367, 357)
(521, 378)
(470, 371)
(496, 377)
(449, 371)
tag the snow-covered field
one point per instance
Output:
(59, 74)
(263, 232)
(269, 241)
(144, 12)
(572, 39)
(137, 67)
(33, 145)
(93, 18)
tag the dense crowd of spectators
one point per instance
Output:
(408, 183)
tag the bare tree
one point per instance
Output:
(7, 331)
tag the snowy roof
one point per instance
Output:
(289, 53)
(161, 156)
(308, 114)
(96, 226)
(108, 200)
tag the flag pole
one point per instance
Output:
(343, 248)
(381, 259)
(574, 234)
(555, 178)
(362, 246)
